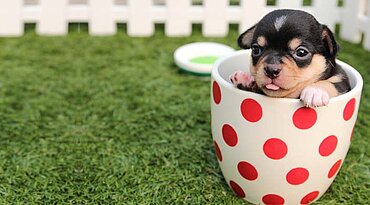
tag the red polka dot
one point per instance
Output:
(237, 189)
(247, 171)
(218, 151)
(273, 199)
(297, 176)
(275, 148)
(229, 135)
(216, 90)
(310, 197)
(349, 109)
(304, 118)
(334, 169)
(251, 110)
(328, 146)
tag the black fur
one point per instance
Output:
(317, 38)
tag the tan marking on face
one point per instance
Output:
(307, 75)
(294, 43)
(292, 79)
(262, 41)
(315, 69)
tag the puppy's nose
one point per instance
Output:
(272, 71)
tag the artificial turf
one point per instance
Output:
(111, 120)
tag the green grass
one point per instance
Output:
(105, 120)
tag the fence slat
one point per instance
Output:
(178, 21)
(11, 23)
(215, 18)
(290, 3)
(326, 12)
(349, 28)
(101, 17)
(53, 20)
(251, 12)
(367, 34)
(139, 20)
(367, 27)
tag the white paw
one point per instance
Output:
(241, 78)
(313, 96)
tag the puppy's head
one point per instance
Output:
(290, 50)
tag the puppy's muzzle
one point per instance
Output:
(272, 70)
(273, 64)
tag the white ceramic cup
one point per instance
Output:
(274, 150)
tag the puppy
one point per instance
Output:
(293, 56)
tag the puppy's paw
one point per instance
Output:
(314, 96)
(242, 79)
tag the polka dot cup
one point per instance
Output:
(275, 151)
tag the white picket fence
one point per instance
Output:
(53, 16)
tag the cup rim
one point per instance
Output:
(217, 77)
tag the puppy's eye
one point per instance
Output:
(301, 53)
(256, 50)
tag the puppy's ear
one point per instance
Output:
(245, 39)
(330, 44)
